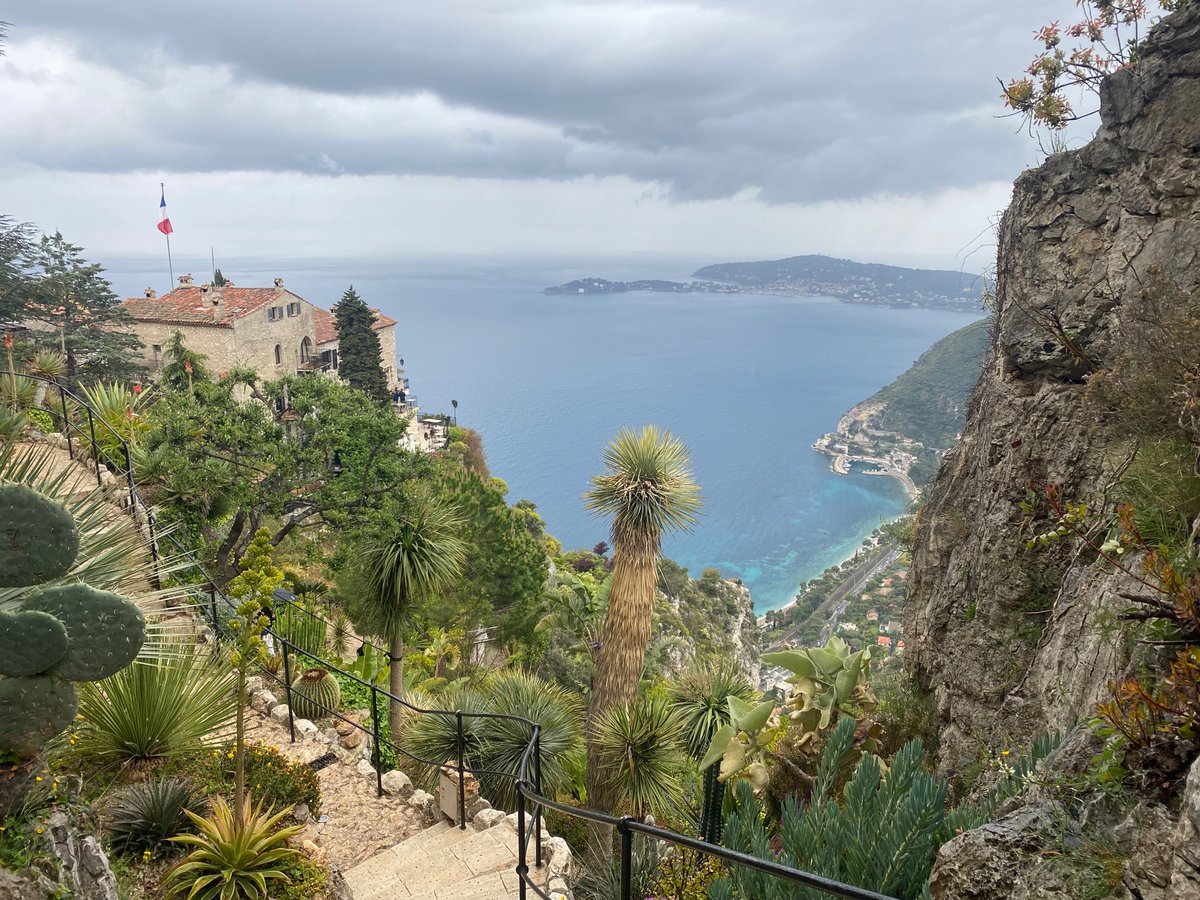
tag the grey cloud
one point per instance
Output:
(799, 102)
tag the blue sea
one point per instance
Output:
(747, 382)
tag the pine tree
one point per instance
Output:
(358, 347)
(70, 296)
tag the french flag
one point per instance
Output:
(164, 222)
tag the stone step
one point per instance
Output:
(441, 862)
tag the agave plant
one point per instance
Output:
(141, 816)
(155, 709)
(640, 753)
(48, 364)
(235, 856)
(120, 410)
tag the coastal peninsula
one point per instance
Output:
(902, 430)
(870, 284)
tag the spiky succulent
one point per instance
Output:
(143, 815)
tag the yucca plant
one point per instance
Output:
(639, 749)
(560, 715)
(235, 856)
(435, 737)
(700, 698)
(155, 708)
(141, 816)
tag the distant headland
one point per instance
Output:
(871, 284)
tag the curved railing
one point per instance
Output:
(528, 780)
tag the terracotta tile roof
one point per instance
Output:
(190, 306)
(327, 327)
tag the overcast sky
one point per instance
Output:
(708, 129)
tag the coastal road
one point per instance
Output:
(839, 598)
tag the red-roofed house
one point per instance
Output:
(271, 330)
(883, 641)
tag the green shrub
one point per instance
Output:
(883, 838)
(270, 776)
(277, 780)
(154, 709)
(141, 816)
(40, 419)
(234, 856)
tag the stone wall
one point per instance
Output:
(249, 340)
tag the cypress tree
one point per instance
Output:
(358, 347)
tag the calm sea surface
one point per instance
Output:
(747, 382)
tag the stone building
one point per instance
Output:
(271, 330)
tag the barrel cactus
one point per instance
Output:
(315, 694)
(54, 634)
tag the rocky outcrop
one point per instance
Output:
(1013, 643)
(73, 864)
(1010, 642)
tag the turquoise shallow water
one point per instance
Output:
(747, 382)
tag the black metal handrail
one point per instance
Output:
(96, 452)
(527, 791)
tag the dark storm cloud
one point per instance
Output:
(798, 101)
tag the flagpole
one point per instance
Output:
(170, 264)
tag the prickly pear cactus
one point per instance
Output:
(56, 634)
(315, 694)
(38, 537)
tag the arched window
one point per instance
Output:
(305, 350)
(278, 355)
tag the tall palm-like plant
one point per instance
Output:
(700, 698)
(413, 557)
(648, 489)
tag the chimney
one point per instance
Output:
(218, 307)
(185, 280)
(151, 293)
(279, 285)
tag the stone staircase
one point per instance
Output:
(444, 862)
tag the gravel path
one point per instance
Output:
(357, 823)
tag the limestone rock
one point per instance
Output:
(327, 736)
(397, 783)
(1012, 643)
(280, 713)
(305, 729)
(302, 813)
(365, 769)
(426, 804)
(476, 805)
(561, 863)
(353, 740)
(487, 818)
(263, 701)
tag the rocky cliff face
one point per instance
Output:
(1013, 643)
